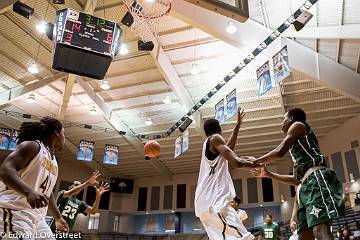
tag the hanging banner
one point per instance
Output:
(13, 140)
(185, 141)
(281, 65)
(178, 146)
(231, 104)
(86, 150)
(220, 112)
(111, 154)
(5, 136)
(263, 79)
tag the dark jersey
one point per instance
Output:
(69, 208)
(306, 153)
(270, 232)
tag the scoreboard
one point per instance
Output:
(81, 38)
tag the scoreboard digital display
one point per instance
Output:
(89, 32)
(84, 44)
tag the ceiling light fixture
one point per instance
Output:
(31, 99)
(231, 28)
(41, 27)
(123, 49)
(148, 122)
(194, 69)
(33, 69)
(167, 100)
(105, 85)
(93, 111)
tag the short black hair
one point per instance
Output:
(298, 114)
(237, 200)
(211, 126)
(270, 216)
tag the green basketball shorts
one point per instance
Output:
(320, 199)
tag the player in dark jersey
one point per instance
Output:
(319, 192)
(70, 206)
(269, 230)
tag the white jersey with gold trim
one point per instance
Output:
(215, 188)
(40, 175)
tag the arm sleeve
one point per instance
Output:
(59, 196)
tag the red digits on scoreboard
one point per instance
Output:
(109, 37)
(75, 26)
(68, 37)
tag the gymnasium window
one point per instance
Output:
(181, 196)
(155, 198)
(252, 190)
(267, 188)
(116, 227)
(94, 221)
(238, 189)
(142, 199)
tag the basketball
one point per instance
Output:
(152, 148)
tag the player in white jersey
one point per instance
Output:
(28, 177)
(215, 188)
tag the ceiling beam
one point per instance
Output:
(119, 125)
(349, 31)
(168, 71)
(10, 95)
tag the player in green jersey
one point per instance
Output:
(269, 230)
(70, 206)
(319, 192)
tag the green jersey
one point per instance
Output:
(270, 232)
(306, 153)
(69, 208)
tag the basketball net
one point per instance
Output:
(147, 15)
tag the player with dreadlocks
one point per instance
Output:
(28, 176)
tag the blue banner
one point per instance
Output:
(231, 104)
(281, 65)
(111, 154)
(86, 150)
(220, 111)
(13, 140)
(5, 138)
(263, 79)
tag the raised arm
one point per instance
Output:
(232, 140)
(17, 161)
(104, 187)
(296, 131)
(263, 172)
(218, 143)
(90, 182)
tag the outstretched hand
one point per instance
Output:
(240, 116)
(259, 172)
(102, 188)
(93, 179)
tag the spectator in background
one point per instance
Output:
(345, 233)
(357, 231)
(270, 230)
(241, 213)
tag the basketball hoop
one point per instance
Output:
(147, 15)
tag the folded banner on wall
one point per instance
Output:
(5, 136)
(231, 104)
(220, 111)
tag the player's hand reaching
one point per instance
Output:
(292, 226)
(61, 226)
(37, 199)
(240, 116)
(102, 188)
(93, 179)
(260, 172)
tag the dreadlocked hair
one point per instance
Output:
(42, 130)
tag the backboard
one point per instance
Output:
(235, 9)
